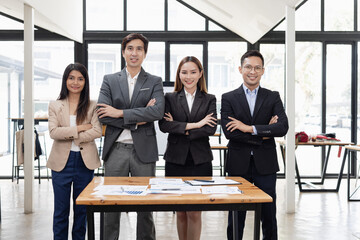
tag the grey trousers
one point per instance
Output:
(123, 161)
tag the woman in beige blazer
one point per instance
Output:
(73, 124)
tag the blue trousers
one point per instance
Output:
(77, 174)
(267, 183)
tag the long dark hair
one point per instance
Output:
(201, 83)
(84, 100)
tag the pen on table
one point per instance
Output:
(170, 189)
(203, 180)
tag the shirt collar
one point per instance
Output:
(187, 94)
(247, 90)
(129, 75)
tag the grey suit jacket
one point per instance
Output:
(115, 92)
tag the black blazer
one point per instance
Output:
(268, 104)
(197, 142)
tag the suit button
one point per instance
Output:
(81, 148)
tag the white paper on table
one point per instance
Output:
(165, 181)
(220, 190)
(120, 190)
(173, 189)
(213, 181)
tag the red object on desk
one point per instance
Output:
(322, 137)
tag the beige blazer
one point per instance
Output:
(63, 135)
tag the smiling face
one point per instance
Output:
(189, 75)
(134, 54)
(252, 71)
(75, 82)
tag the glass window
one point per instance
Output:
(179, 51)
(223, 73)
(339, 16)
(50, 60)
(338, 92)
(214, 27)
(11, 76)
(103, 59)
(183, 18)
(145, 15)
(104, 15)
(154, 62)
(308, 79)
(274, 76)
(308, 85)
(9, 24)
(307, 17)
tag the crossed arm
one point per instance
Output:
(205, 127)
(236, 130)
(130, 118)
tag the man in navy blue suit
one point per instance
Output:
(251, 116)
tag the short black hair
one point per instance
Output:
(252, 53)
(133, 36)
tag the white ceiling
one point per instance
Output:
(64, 17)
(250, 19)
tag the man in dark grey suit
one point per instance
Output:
(129, 103)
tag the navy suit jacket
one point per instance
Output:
(268, 104)
(197, 142)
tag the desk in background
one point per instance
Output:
(17, 122)
(328, 144)
(355, 150)
(251, 199)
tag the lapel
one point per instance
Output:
(139, 83)
(243, 101)
(183, 103)
(124, 88)
(259, 101)
(196, 104)
(64, 108)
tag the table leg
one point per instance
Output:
(298, 176)
(282, 148)
(323, 174)
(341, 170)
(235, 225)
(13, 154)
(257, 218)
(90, 223)
(225, 156)
(348, 177)
(102, 214)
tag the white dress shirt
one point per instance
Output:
(125, 136)
(190, 99)
(74, 147)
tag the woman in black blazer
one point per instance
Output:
(190, 118)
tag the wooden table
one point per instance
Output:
(251, 199)
(353, 149)
(328, 144)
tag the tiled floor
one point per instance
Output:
(318, 216)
